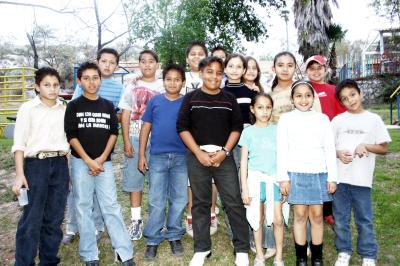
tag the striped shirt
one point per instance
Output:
(209, 118)
(243, 96)
(110, 89)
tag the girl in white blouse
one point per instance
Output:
(306, 162)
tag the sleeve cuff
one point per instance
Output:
(17, 148)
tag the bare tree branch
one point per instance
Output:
(113, 39)
(96, 12)
(62, 11)
(111, 14)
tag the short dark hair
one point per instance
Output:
(175, 67)
(41, 73)
(241, 57)
(218, 48)
(209, 60)
(347, 83)
(196, 43)
(108, 51)
(151, 52)
(301, 82)
(87, 65)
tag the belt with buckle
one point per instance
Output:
(50, 154)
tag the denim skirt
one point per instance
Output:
(308, 189)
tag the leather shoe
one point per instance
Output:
(176, 247)
(151, 252)
(92, 263)
(128, 263)
(301, 262)
(317, 262)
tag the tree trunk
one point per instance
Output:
(34, 50)
(332, 65)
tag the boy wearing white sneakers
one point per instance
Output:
(359, 136)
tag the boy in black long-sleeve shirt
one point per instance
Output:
(91, 126)
(210, 124)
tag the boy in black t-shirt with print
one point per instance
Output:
(91, 126)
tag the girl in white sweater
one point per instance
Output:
(306, 162)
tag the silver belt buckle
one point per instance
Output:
(41, 155)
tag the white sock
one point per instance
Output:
(135, 213)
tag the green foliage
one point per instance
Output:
(6, 159)
(215, 22)
(184, 28)
(335, 33)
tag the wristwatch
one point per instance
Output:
(227, 153)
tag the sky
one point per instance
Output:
(355, 16)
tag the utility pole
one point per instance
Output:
(284, 15)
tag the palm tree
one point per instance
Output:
(312, 19)
(335, 34)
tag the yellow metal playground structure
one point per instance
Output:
(16, 87)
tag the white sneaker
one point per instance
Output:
(343, 259)
(368, 262)
(242, 259)
(278, 263)
(259, 261)
(135, 229)
(270, 253)
(199, 257)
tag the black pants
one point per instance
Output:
(40, 223)
(226, 179)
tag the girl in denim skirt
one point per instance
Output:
(306, 162)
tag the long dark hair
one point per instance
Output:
(275, 81)
(253, 102)
(257, 80)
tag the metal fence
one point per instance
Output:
(16, 87)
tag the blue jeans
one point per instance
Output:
(71, 223)
(132, 178)
(40, 223)
(103, 185)
(346, 198)
(167, 180)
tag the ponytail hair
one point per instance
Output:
(275, 81)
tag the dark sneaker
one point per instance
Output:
(151, 252)
(68, 239)
(176, 247)
(135, 229)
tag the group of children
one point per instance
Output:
(212, 130)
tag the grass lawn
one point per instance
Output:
(386, 203)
